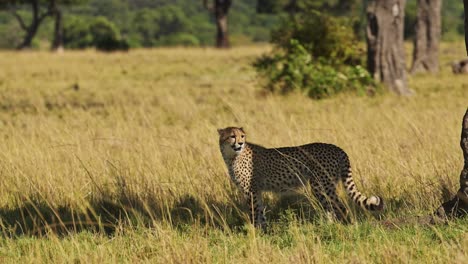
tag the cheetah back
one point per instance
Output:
(283, 169)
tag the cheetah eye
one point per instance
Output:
(232, 136)
(242, 136)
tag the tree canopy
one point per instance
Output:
(151, 23)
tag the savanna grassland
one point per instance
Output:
(114, 158)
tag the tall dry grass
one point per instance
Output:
(114, 157)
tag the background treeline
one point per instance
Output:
(153, 23)
(144, 23)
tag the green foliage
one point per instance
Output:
(100, 33)
(149, 23)
(410, 18)
(144, 26)
(171, 19)
(297, 70)
(165, 26)
(335, 7)
(452, 13)
(76, 34)
(322, 36)
(11, 35)
(316, 54)
(452, 19)
(106, 35)
(269, 6)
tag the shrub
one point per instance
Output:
(145, 26)
(315, 54)
(298, 70)
(12, 35)
(167, 25)
(76, 34)
(106, 36)
(99, 33)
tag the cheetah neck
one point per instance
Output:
(231, 159)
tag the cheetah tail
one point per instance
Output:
(372, 203)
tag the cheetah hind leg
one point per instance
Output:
(333, 207)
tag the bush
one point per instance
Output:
(315, 54)
(76, 34)
(167, 25)
(99, 33)
(322, 36)
(145, 26)
(12, 35)
(106, 36)
(298, 70)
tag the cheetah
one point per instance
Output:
(255, 169)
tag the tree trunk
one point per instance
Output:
(427, 37)
(57, 43)
(463, 191)
(31, 30)
(30, 33)
(385, 51)
(465, 5)
(458, 206)
(221, 9)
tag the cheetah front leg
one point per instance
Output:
(257, 210)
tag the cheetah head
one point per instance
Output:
(232, 140)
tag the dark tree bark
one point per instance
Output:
(57, 43)
(427, 37)
(220, 9)
(31, 30)
(385, 51)
(458, 205)
(221, 12)
(465, 5)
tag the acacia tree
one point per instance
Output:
(220, 9)
(385, 51)
(427, 37)
(38, 11)
(56, 11)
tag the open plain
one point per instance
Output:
(114, 157)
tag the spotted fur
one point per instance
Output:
(255, 169)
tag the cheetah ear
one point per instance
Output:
(220, 131)
(242, 129)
